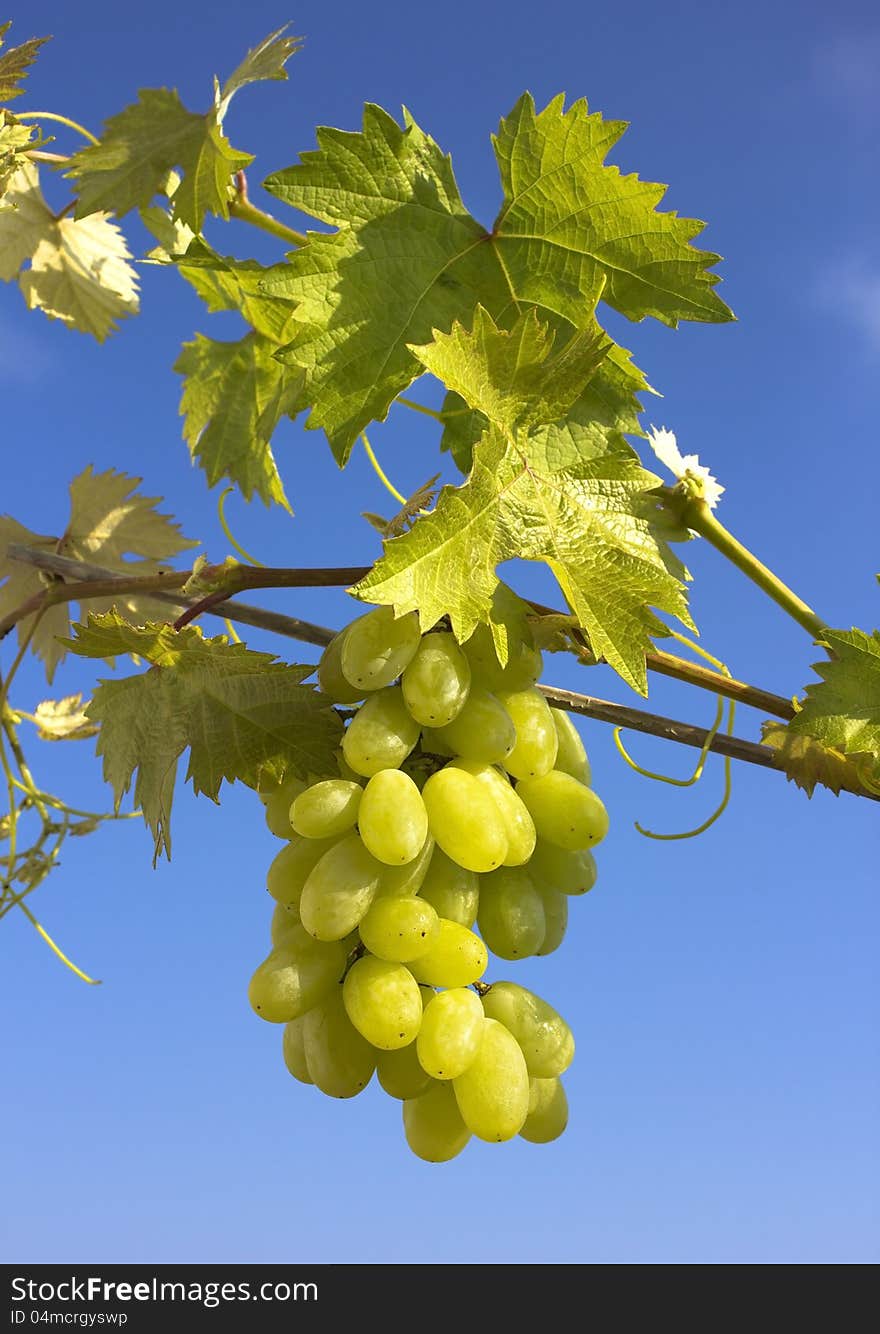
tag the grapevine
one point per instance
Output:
(431, 790)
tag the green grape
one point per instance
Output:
(383, 1002)
(295, 977)
(332, 680)
(327, 809)
(291, 867)
(278, 805)
(555, 917)
(451, 1031)
(345, 769)
(433, 743)
(340, 1061)
(339, 890)
(457, 957)
(548, 1111)
(546, 1039)
(393, 821)
(518, 824)
(293, 1049)
(493, 1092)
(523, 667)
(400, 1074)
(437, 681)
(482, 730)
(399, 928)
(564, 811)
(451, 889)
(571, 757)
(511, 916)
(569, 872)
(407, 879)
(376, 648)
(465, 820)
(285, 916)
(535, 750)
(381, 734)
(433, 1125)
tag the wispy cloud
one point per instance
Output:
(23, 356)
(851, 290)
(848, 67)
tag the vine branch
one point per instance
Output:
(89, 577)
(96, 581)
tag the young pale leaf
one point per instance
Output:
(64, 719)
(563, 494)
(82, 277)
(580, 520)
(265, 61)
(608, 403)
(234, 396)
(79, 271)
(242, 714)
(571, 230)
(843, 710)
(109, 523)
(15, 137)
(15, 63)
(513, 377)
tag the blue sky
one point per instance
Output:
(723, 990)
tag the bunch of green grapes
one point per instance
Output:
(462, 801)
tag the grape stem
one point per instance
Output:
(242, 208)
(694, 513)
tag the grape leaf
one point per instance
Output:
(79, 271)
(148, 139)
(243, 715)
(141, 144)
(225, 283)
(15, 63)
(561, 494)
(15, 137)
(807, 762)
(109, 522)
(843, 710)
(570, 230)
(234, 396)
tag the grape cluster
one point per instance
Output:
(462, 800)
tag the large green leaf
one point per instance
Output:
(243, 715)
(157, 133)
(234, 395)
(559, 493)
(408, 258)
(110, 525)
(74, 271)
